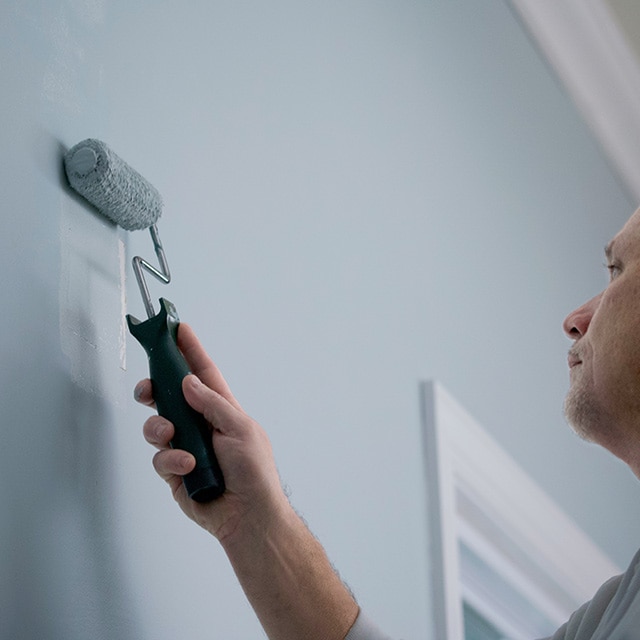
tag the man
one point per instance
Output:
(283, 569)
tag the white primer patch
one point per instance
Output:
(92, 300)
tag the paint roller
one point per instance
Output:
(121, 194)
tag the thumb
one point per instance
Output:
(217, 410)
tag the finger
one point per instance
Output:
(171, 463)
(202, 365)
(143, 393)
(158, 431)
(217, 410)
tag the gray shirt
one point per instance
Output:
(613, 614)
(365, 629)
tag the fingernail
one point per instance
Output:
(194, 381)
(185, 463)
(137, 392)
(160, 431)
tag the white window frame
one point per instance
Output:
(477, 496)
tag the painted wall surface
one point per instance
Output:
(358, 196)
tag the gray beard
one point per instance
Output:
(584, 416)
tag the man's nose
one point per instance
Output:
(575, 325)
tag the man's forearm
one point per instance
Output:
(289, 580)
(282, 568)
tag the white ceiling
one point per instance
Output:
(594, 46)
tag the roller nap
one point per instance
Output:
(117, 190)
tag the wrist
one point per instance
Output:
(287, 577)
(256, 523)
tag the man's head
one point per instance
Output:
(603, 403)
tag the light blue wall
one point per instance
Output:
(358, 196)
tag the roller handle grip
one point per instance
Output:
(167, 366)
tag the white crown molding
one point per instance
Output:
(588, 51)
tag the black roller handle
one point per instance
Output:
(167, 366)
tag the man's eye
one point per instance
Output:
(614, 270)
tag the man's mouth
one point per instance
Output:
(573, 360)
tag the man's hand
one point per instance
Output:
(243, 449)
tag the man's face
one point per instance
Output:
(603, 403)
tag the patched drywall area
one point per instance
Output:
(92, 299)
